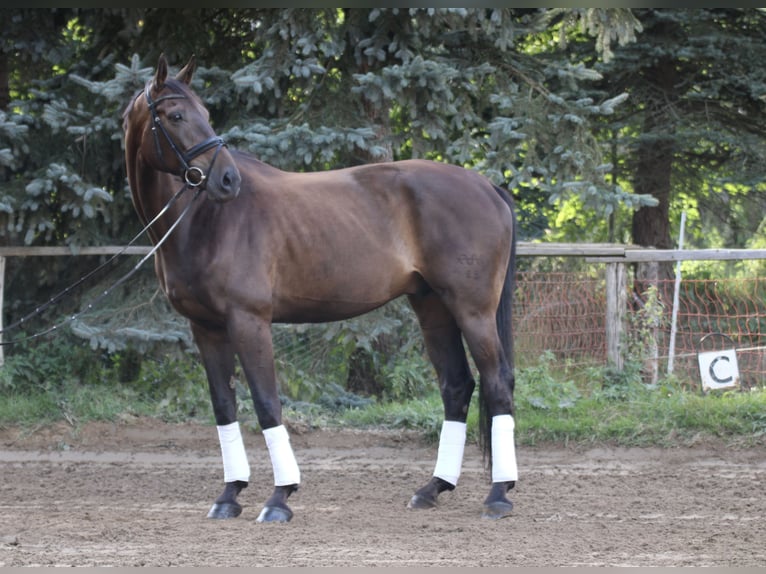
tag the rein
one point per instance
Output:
(114, 285)
(56, 298)
(194, 178)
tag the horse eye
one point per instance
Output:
(176, 117)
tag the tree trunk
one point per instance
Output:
(5, 90)
(654, 164)
(651, 224)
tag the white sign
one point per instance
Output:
(719, 369)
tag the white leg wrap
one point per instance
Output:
(449, 459)
(503, 449)
(282, 458)
(235, 466)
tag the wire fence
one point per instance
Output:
(564, 313)
(734, 308)
(560, 312)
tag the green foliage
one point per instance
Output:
(137, 315)
(62, 378)
(45, 366)
(539, 388)
(379, 354)
(643, 327)
(692, 130)
(421, 414)
(605, 26)
(409, 377)
(620, 409)
(598, 407)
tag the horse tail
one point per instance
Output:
(504, 310)
(504, 331)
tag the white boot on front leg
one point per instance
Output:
(287, 476)
(235, 465)
(236, 472)
(449, 459)
(283, 461)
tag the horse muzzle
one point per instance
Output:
(225, 185)
(222, 181)
(221, 185)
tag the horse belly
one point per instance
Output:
(318, 311)
(351, 292)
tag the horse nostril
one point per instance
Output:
(230, 180)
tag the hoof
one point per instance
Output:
(222, 510)
(497, 509)
(420, 502)
(275, 514)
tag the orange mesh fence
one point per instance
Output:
(562, 313)
(735, 308)
(565, 313)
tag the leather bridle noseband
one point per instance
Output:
(193, 176)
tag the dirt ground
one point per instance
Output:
(136, 493)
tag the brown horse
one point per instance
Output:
(274, 246)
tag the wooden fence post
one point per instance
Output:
(2, 290)
(616, 309)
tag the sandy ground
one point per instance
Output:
(136, 493)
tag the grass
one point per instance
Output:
(647, 417)
(550, 408)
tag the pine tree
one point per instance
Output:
(303, 89)
(692, 132)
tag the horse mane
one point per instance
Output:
(129, 108)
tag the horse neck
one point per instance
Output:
(151, 191)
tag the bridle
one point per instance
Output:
(193, 176)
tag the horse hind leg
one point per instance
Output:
(444, 345)
(497, 422)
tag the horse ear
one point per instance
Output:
(162, 73)
(186, 74)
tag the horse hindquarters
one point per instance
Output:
(497, 423)
(476, 288)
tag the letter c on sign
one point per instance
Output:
(712, 370)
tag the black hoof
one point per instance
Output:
(426, 497)
(275, 514)
(420, 502)
(224, 510)
(497, 509)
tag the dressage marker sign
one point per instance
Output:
(718, 369)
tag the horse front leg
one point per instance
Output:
(443, 342)
(253, 345)
(218, 359)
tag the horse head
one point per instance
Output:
(169, 127)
